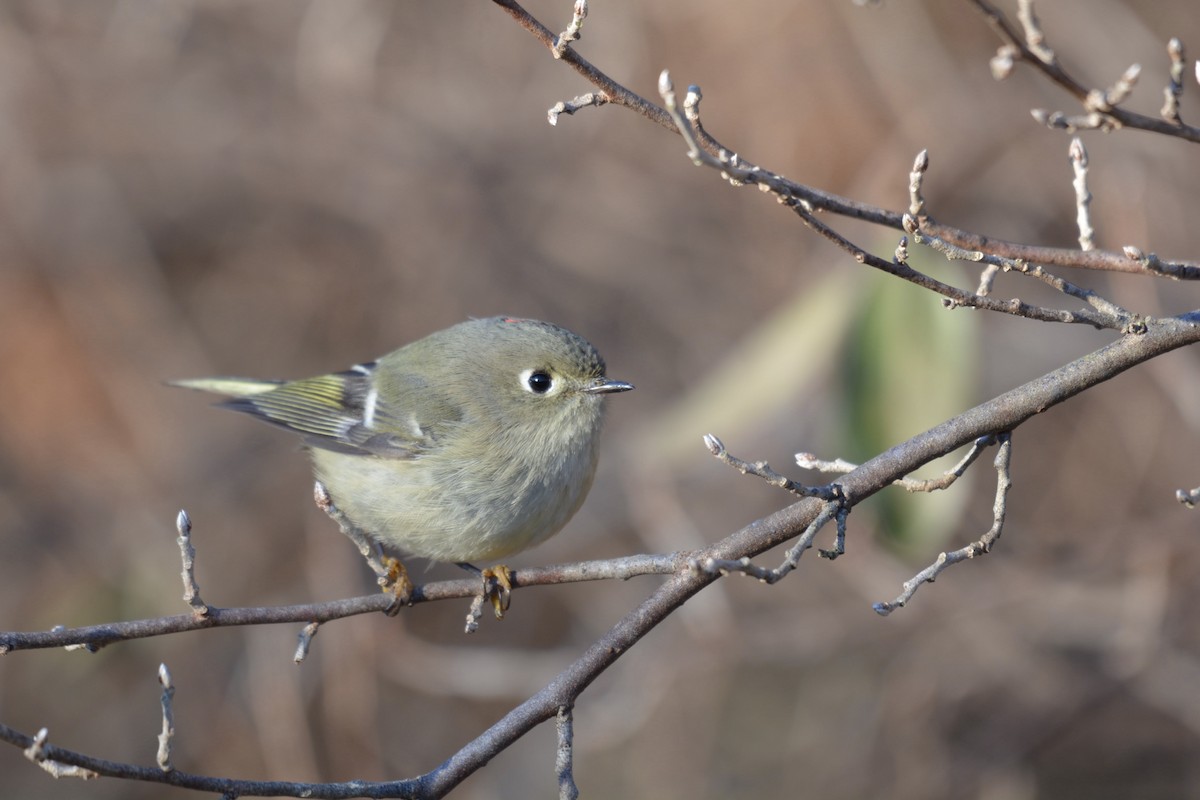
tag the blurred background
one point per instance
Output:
(277, 188)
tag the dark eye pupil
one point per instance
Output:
(539, 383)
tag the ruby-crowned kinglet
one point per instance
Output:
(474, 443)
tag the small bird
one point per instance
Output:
(475, 443)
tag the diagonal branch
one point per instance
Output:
(1031, 49)
(1003, 413)
(740, 172)
(614, 93)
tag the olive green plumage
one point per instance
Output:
(474, 443)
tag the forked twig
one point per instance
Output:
(979, 547)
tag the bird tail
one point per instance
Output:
(230, 387)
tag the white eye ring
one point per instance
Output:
(538, 381)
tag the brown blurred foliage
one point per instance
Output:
(279, 188)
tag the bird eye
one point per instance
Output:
(539, 382)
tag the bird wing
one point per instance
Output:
(357, 412)
(344, 413)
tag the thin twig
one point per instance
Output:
(987, 279)
(1118, 93)
(42, 754)
(475, 612)
(977, 548)
(1021, 50)
(591, 99)
(916, 202)
(304, 641)
(1083, 197)
(947, 478)
(1106, 315)
(839, 541)
(187, 553)
(1101, 106)
(740, 172)
(830, 509)
(1189, 499)
(563, 759)
(613, 92)
(1171, 94)
(168, 719)
(761, 469)
(1152, 263)
(573, 31)
(1034, 38)
(1105, 260)
(368, 547)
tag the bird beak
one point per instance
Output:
(605, 386)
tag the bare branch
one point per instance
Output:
(567, 790)
(615, 93)
(831, 509)
(191, 592)
(1107, 314)
(371, 551)
(987, 279)
(762, 469)
(1102, 110)
(304, 642)
(690, 573)
(1152, 263)
(1116, 94)
(62, 763)
(740, 172)
(572, 33)
(1189, 499)
(1083, 198)
(1002, 413)
(947, 479)
(93, 637)
(1003, 62)
(40, 753)
(1034, 38)
(1073, 123)
(1020, 49)
(981, 547)
(168, 719)
(1104, 260)
(591, 99)
(916, 203)
(1171, 94)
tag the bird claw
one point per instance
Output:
(397, 583)
(497, 587)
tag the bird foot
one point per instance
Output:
(397, 583)
(497, 587)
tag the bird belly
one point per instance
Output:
(426, 508)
